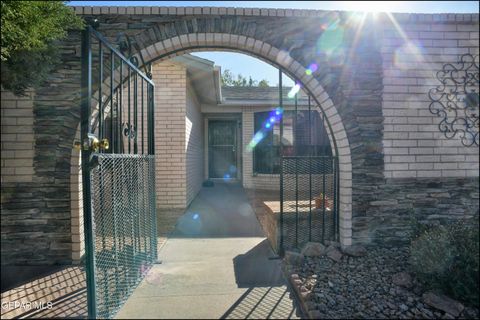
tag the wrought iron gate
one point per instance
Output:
(308, 177)
(118, 174)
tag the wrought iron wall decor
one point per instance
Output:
(456, 99)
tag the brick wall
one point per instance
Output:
(170, 110)
(194, 145)
(413, 144)
(178, 137)
(76, 204)
(30, 209)
(17, 138)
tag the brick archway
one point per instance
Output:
(192, 42)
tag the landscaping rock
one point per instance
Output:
(334, 254)
(293, 258)
(355, 251)
(443, 303)
(313, 249)
(373, 286)
(402, 279)
(315, 314)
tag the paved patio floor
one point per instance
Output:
(215, 264)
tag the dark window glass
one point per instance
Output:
(303, 135)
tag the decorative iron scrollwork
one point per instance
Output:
(129, 130)
(456, 99)
(127, 46)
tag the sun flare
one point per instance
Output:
(371, 6)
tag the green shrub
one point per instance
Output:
(29, 37)
(447, 258)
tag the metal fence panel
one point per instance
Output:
(123, 211)
(308, 200)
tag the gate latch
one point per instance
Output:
(93, 144)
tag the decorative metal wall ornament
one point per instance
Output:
(456, 99)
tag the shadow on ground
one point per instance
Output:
(258, 268)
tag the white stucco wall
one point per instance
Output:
(194, 146)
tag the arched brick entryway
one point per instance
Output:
(192, 42)
(185, 43)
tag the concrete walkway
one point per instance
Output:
(215, 265)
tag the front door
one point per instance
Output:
(222, 147)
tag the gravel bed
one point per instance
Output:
(362, 287)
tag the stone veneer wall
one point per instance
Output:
(349, 87)
(425, 173)
(29, 207)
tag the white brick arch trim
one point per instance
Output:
(185, 43)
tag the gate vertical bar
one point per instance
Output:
(280, 102)
(151, 151)
(295, 152)
(86, 93)
(129, 124)
(335, 199)
(120, 112)
(309, 170)
(135, 113)
(100, 93)
(324, 160)
(112, 76)
(143, 112)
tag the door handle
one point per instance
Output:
(93, 144)
(99, 144)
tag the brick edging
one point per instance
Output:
(268, 12)
(295, 290)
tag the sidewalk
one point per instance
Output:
(215, 264)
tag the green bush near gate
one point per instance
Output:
(30, 30)
(446, 257)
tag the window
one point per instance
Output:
(310, 139)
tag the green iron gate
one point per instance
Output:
(308, 176)
(118, 174)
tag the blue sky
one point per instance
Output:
(248, 66)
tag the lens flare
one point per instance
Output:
(331, 38)
(256, 139)
(408, 56)
(275, 116)
(311, 69)
(295, 89)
